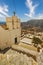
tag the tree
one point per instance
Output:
(36, 41)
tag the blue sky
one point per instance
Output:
(25, 9)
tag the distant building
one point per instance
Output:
(10, 33)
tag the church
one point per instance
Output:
(10, 33)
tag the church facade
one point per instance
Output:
(11, 34)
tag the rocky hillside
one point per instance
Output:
(32, 23)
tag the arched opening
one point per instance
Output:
(16, 40)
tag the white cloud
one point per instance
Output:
(31, 8)
(40, 16)
(6, 8)
(1, 15)
(3, 11)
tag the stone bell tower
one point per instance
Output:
(15, 22)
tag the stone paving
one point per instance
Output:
(14, 58)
